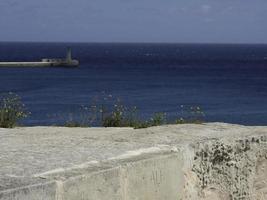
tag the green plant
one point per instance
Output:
(158, 119)
(120, 116)
(107, 111)
(11, 110)
(115, 118)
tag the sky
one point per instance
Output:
(168, 21)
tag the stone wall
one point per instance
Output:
(188, 162)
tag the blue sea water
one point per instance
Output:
(229, 82)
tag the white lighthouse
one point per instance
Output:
(68, 57)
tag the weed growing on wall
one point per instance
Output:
(12, 110)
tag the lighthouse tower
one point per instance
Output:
(68, 57)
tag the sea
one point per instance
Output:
(227, 81)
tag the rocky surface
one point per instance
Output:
(216, 160)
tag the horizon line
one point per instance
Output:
(115, 42)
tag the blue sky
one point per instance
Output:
(202, 21)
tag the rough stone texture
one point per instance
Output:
(100, 185)
(232, 169)
(180, 162)
(45, 191)
(154, 175)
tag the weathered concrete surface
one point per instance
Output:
(180, 162)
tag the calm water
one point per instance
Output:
(229, 82)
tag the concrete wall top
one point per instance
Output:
(35, 155)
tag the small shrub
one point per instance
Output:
(11, 110)
(120, 116)
(158, 119)
(114, 118)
